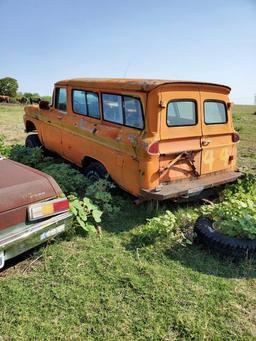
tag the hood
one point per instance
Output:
(21, 185)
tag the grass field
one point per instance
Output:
(106, 288)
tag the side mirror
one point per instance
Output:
(230, 105)
(44, 105)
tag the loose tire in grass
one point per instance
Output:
(32, 141)
(228, 246)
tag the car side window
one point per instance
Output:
(93, 104)
(85, 103)
(112, 108)
(61, 99)
(133, 112)
(79, 102)
(121, 109)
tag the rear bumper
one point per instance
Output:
(17, 240)
(187, 188)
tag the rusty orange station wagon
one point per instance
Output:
(157, 139)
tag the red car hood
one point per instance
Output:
(21, 185)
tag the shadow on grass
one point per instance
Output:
(198, 258)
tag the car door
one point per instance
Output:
(52, 134)
(217, 128)
(130, 138)
(180, 133)
(81, 125)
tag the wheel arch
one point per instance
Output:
(30, 126)
(87, 160)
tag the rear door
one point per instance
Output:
(181, 134)
(217, 129)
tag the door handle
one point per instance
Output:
(206, 142)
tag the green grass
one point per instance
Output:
(245, 123)
(106, 288)
(11, 123)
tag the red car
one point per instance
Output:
(32, 209)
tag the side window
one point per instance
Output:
(79, 102)
(85, 103)
(93, 105)
(215, 112)
(112, 108)
(181, 113)
(133, 113)
(61, 99)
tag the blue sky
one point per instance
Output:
(206, 40)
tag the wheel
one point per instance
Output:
(228, 246)
(96, 171)
(32, 141)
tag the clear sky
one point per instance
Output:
(42, 41)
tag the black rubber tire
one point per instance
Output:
(228, 246)
(32, 141)
(96, 171)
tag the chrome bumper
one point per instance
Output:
(17, 240)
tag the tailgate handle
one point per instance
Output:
(206, 142)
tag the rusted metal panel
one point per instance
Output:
(190, 187)
(124, 151)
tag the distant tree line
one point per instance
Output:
(9, 88)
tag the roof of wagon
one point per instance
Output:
(128, 84)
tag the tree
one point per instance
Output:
(8, 86)
(30, 94)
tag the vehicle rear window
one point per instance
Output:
(86, 103)
(215, 112)
(125, 110)
(61, 99)
(181, 113)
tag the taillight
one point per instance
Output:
(47, 208)
(235, 137)
(153, 148)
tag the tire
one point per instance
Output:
(32, 141)
(228, 246)
(96, 171)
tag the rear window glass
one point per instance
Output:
(181, 113)
(86, 103)
(61, 99)
(125, 110)
(215, 112)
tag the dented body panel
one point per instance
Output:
(184, 152)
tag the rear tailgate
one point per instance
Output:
(218, 149)
(181, 134)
